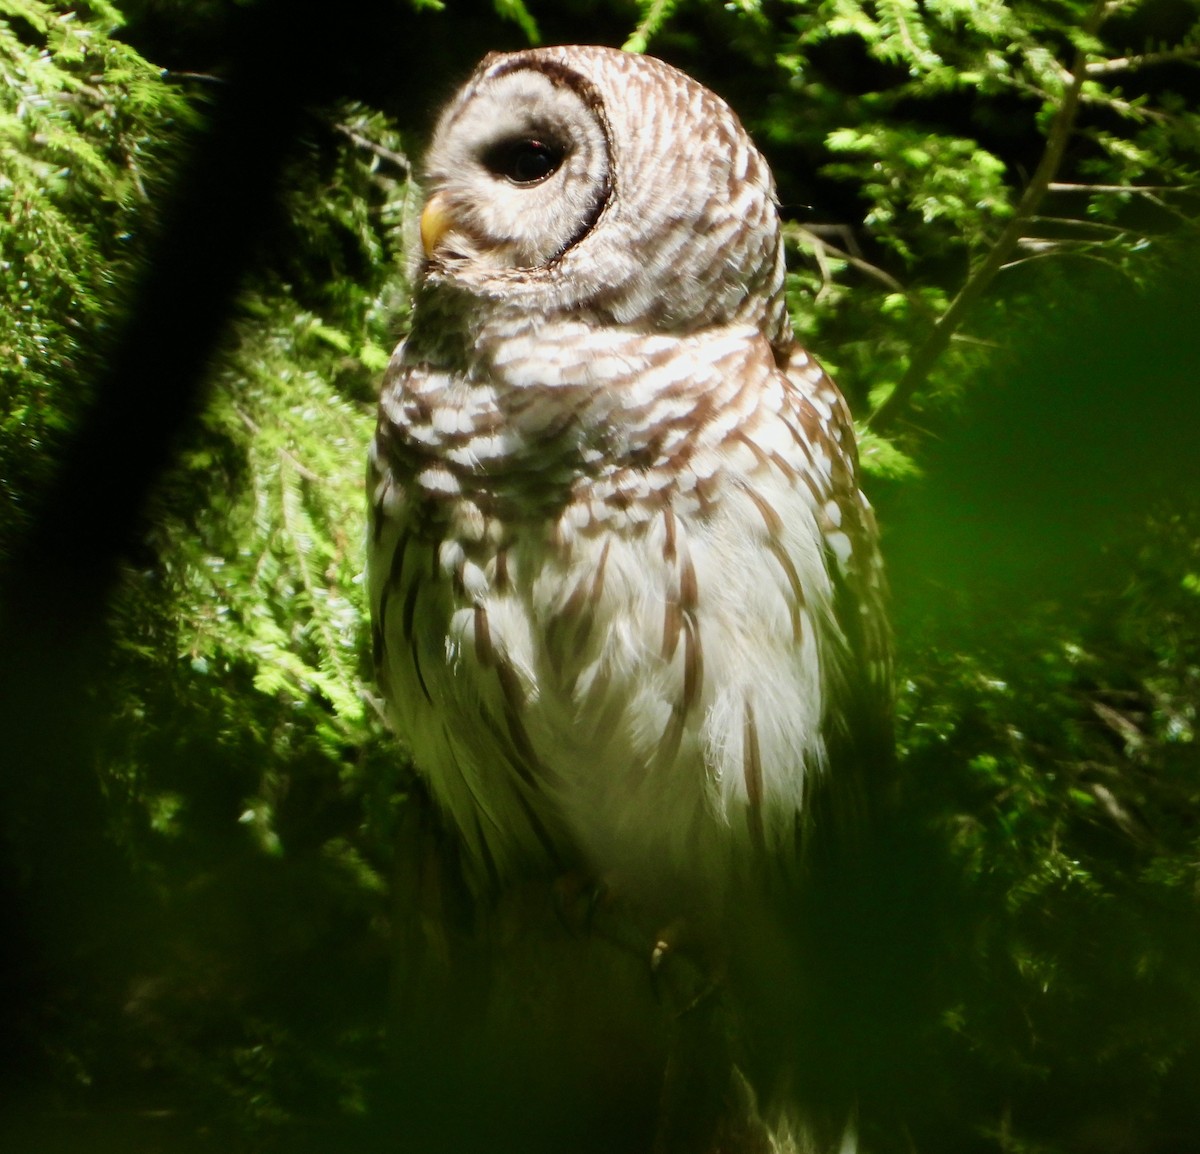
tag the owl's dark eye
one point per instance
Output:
(525, 160)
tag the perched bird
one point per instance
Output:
(625, 590)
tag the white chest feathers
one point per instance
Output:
(603, 590)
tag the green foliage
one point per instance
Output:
(84, 123)
(913, 179)
(245, 750)
(655, 14)
(1060, 752)
(516, 11)
(260, 528)
(1117, 179)
(241, 730)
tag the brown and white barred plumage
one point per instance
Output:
(625, 589)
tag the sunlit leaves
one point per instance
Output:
(895, 30)
(880, 457)
(262, 523)
(84, 123)
(944, 181)
(290, 586)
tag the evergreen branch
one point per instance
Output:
(256, 429)
(1126, 107)
(969, 295)
(657, 13)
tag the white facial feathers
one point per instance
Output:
(522, 165)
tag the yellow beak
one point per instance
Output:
(435, 222)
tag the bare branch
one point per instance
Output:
(1092, 254)
(1185, 219)
(1063, 186)
(1078, 222)
(1143, 60)
(202, 77)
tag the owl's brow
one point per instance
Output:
(558, 74)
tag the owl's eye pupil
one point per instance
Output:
(524, 161)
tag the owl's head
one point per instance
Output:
(588, 180)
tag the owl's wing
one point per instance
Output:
(860, 722)
(725, 599)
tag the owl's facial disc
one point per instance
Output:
(523, 161)
(517, 174)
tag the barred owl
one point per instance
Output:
(624, 586)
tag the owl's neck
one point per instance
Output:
(507, 405)
(458, 312)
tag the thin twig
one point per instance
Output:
(820, 253)
(1185, 219)
(1057, 244)
(977, 283)
(1065, 186)
(1127, 63)
(1076, 222)
(822, 230)
(398, 159)
(1076, 254)
(203, 77)
(799, 234)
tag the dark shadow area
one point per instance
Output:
(72, 915)
(1062, 449)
